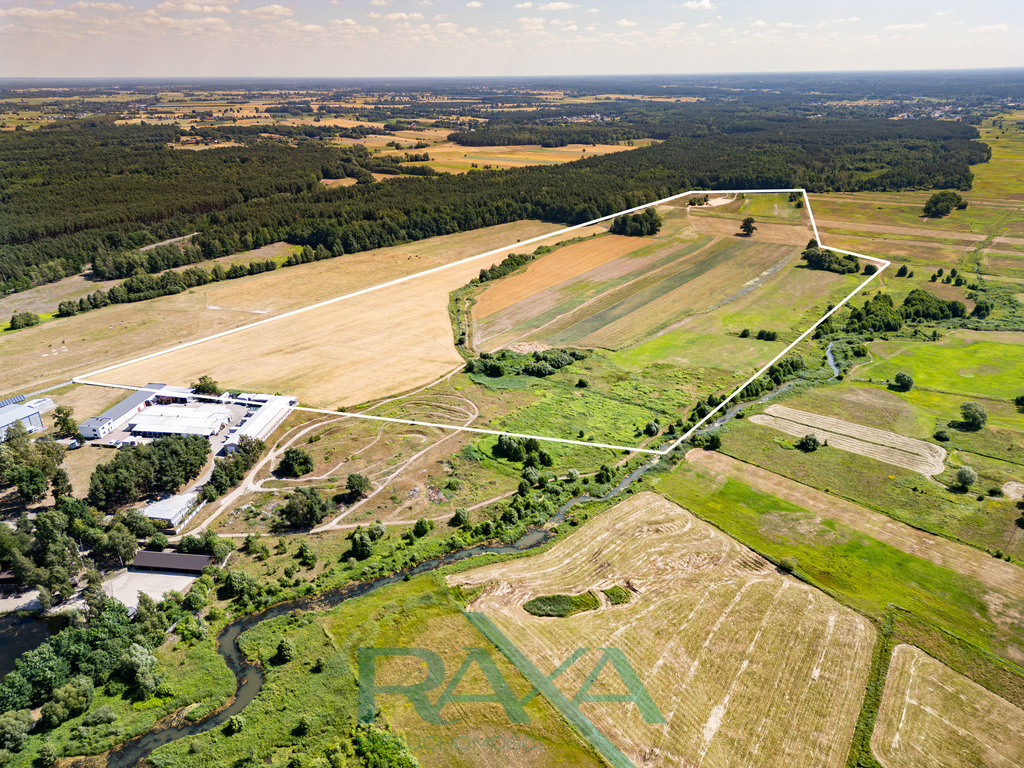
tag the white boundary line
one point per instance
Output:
(85, 378)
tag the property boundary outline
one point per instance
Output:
(87, 378)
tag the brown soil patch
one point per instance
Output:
(555, 268)
(934, 717)
(346, 182)
(879, 444)
(746, 666)
(996, 574)
(708, 223)
(950, 292)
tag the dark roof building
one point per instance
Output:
(170, 562)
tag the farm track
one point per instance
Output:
(879, 444)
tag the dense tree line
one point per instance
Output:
(643, 224)
(506, 362)
(230, 470)
(121, 187)
(829, 261)
(142, 286)
(137, 471)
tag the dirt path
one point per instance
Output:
(879, 444)
(993, 573)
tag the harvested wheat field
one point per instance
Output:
(746, 666)
(369, 346)
(716, 224)
(933, 717)
(879, 444)
(123, 331)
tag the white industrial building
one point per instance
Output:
(28, 413)
(100, 426)
(270, 411)
(174, 511)
(162, 420)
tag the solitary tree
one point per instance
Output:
(65, 422)
(903, 382)
(966, 477)
(358, 485)
(206, 386)
(747, 226)
(295, 463)
(808, 443)
(305, 508)
(974, 414)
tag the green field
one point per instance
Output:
(963, 362)
(856, 569)
(302, 715)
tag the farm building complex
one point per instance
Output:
(28, 413)
(158, 410)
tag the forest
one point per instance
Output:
(121, 187)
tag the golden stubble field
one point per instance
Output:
(747, 666)
(403, 326)
(934, 717)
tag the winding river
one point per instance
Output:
(249, 677)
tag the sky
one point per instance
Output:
(403, 38)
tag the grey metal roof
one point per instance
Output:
(130, 403)
(171, 561)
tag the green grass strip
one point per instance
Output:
(590, 732)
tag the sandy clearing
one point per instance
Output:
(934, 717)
(1014, 490)
(707, 223)
(879, 444)
(346, 182)
(550, 270)
(103, 337)
(993, 573)
(747, 666)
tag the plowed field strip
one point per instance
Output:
(564, 264)
(880, 444)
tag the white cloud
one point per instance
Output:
(991, 28)
(533, 23)
(403, 16)
(902, 27)
(100, 7)
(372, 2)
(557, 6)
(592, 10)
(847, 20)
(625, 23)
(274, 11)
(705, 25)
(474, 4)
(789, 25)
(699, 5)
(760, 23)
(171, 7)
(524, 5)
(20, 12)
(569, 28)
